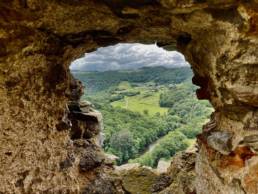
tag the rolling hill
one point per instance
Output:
(149, 107)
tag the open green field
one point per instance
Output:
(147, 100)
(147, 137)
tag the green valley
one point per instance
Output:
(149, 113)
(146, 101)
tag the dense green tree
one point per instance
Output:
(146, 112)
(129, 134)
(173, 142)
(121, 144)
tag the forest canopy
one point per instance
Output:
(149, 113)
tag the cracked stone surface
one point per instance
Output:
(38, 41)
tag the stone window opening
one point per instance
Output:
(38, 41)
(87, 121)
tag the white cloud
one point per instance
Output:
(128, 56)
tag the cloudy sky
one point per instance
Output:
(128, 56)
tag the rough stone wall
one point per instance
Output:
(180, 177)
(39, 39)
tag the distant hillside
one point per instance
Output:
(98, 81)
(149, 113)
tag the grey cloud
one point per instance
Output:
(128, 56)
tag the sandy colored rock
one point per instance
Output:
(38, 41)
(137, 179)
(180, 177)
(163, 166)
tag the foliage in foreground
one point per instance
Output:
(127, 133)
(173, 142)
(130, 134)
